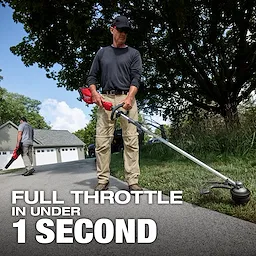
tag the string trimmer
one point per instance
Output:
(239, 193)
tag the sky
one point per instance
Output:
(59, 107)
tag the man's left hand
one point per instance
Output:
(127, 103)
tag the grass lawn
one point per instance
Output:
(4, 171)
(165, 170)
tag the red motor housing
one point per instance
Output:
(86, 96)
(15, 153)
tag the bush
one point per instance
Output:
(210, 135)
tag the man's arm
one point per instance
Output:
(19, 136)
(136, 70)
(92, 79)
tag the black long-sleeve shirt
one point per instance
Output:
(118, 68)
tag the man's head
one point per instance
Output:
(23, 119)
(119, 28)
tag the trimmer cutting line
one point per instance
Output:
(239, 193)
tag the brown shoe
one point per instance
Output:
(101, 187)
(135, 187)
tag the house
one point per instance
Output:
(50, 146)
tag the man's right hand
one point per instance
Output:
(96, 97)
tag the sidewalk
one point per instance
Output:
(181, 229)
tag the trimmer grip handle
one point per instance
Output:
(107, 105)
(114, 109)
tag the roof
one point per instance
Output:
(16, 127)
(50, 138)
(9, 122)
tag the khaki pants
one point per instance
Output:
(27, 156)
(104, 136)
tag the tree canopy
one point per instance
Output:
(13, 106)
(87, 135)
(1, 78)
(198, 54)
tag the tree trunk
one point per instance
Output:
(230, 113)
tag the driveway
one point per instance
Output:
(154, 229)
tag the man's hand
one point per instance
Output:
(128, 102)
(96, 97)
(130, 97)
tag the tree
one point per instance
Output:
(90, 129)
(195, 53)
(13, 106)
(201, 52)
(1, 78)
(87, 135)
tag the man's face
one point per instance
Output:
(119, 35)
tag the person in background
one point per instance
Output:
(119, 67)
(25, 139)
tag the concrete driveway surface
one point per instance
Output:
(62, 222)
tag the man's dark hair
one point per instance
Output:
(23, 119)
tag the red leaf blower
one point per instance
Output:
(17, 151)
(86, 96)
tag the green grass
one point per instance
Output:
(165, 170)
(5, 171)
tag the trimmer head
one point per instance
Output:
(239, 193)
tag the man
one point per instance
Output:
(119, 67)
(25, 138)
